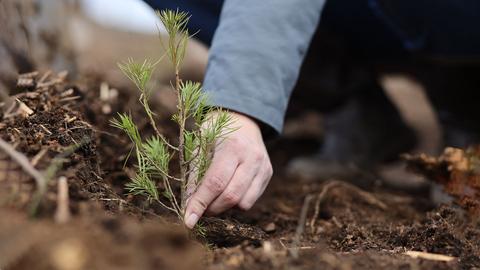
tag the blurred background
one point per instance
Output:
(89, 37)
(81, 36)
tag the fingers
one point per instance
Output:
(235, 189)
(214, 182)
(238, 175)
(256, 189)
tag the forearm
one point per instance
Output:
(256, 55)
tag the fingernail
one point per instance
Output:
(191, 220)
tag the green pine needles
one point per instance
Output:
(208, 126)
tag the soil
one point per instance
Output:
(346, 227)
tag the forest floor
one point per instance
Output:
(297, 224)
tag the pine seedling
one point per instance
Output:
(153, 178)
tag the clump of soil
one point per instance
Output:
(229, 232)
(444, 231)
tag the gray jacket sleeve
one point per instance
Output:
(256, 55)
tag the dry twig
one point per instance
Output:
(55, 165)
(23, 161)
(62, 214)
(45, 76)
(300, 226)
(38, 156)
(429, 256)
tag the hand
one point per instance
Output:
(238, 175)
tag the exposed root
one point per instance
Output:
(320, 198)
(365, 196)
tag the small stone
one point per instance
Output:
(270, 227)
(106, 109)
(267, 247)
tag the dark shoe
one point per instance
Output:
(365, 132)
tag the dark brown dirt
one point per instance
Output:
(54, 127)
(353, 229)
(96, 242)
